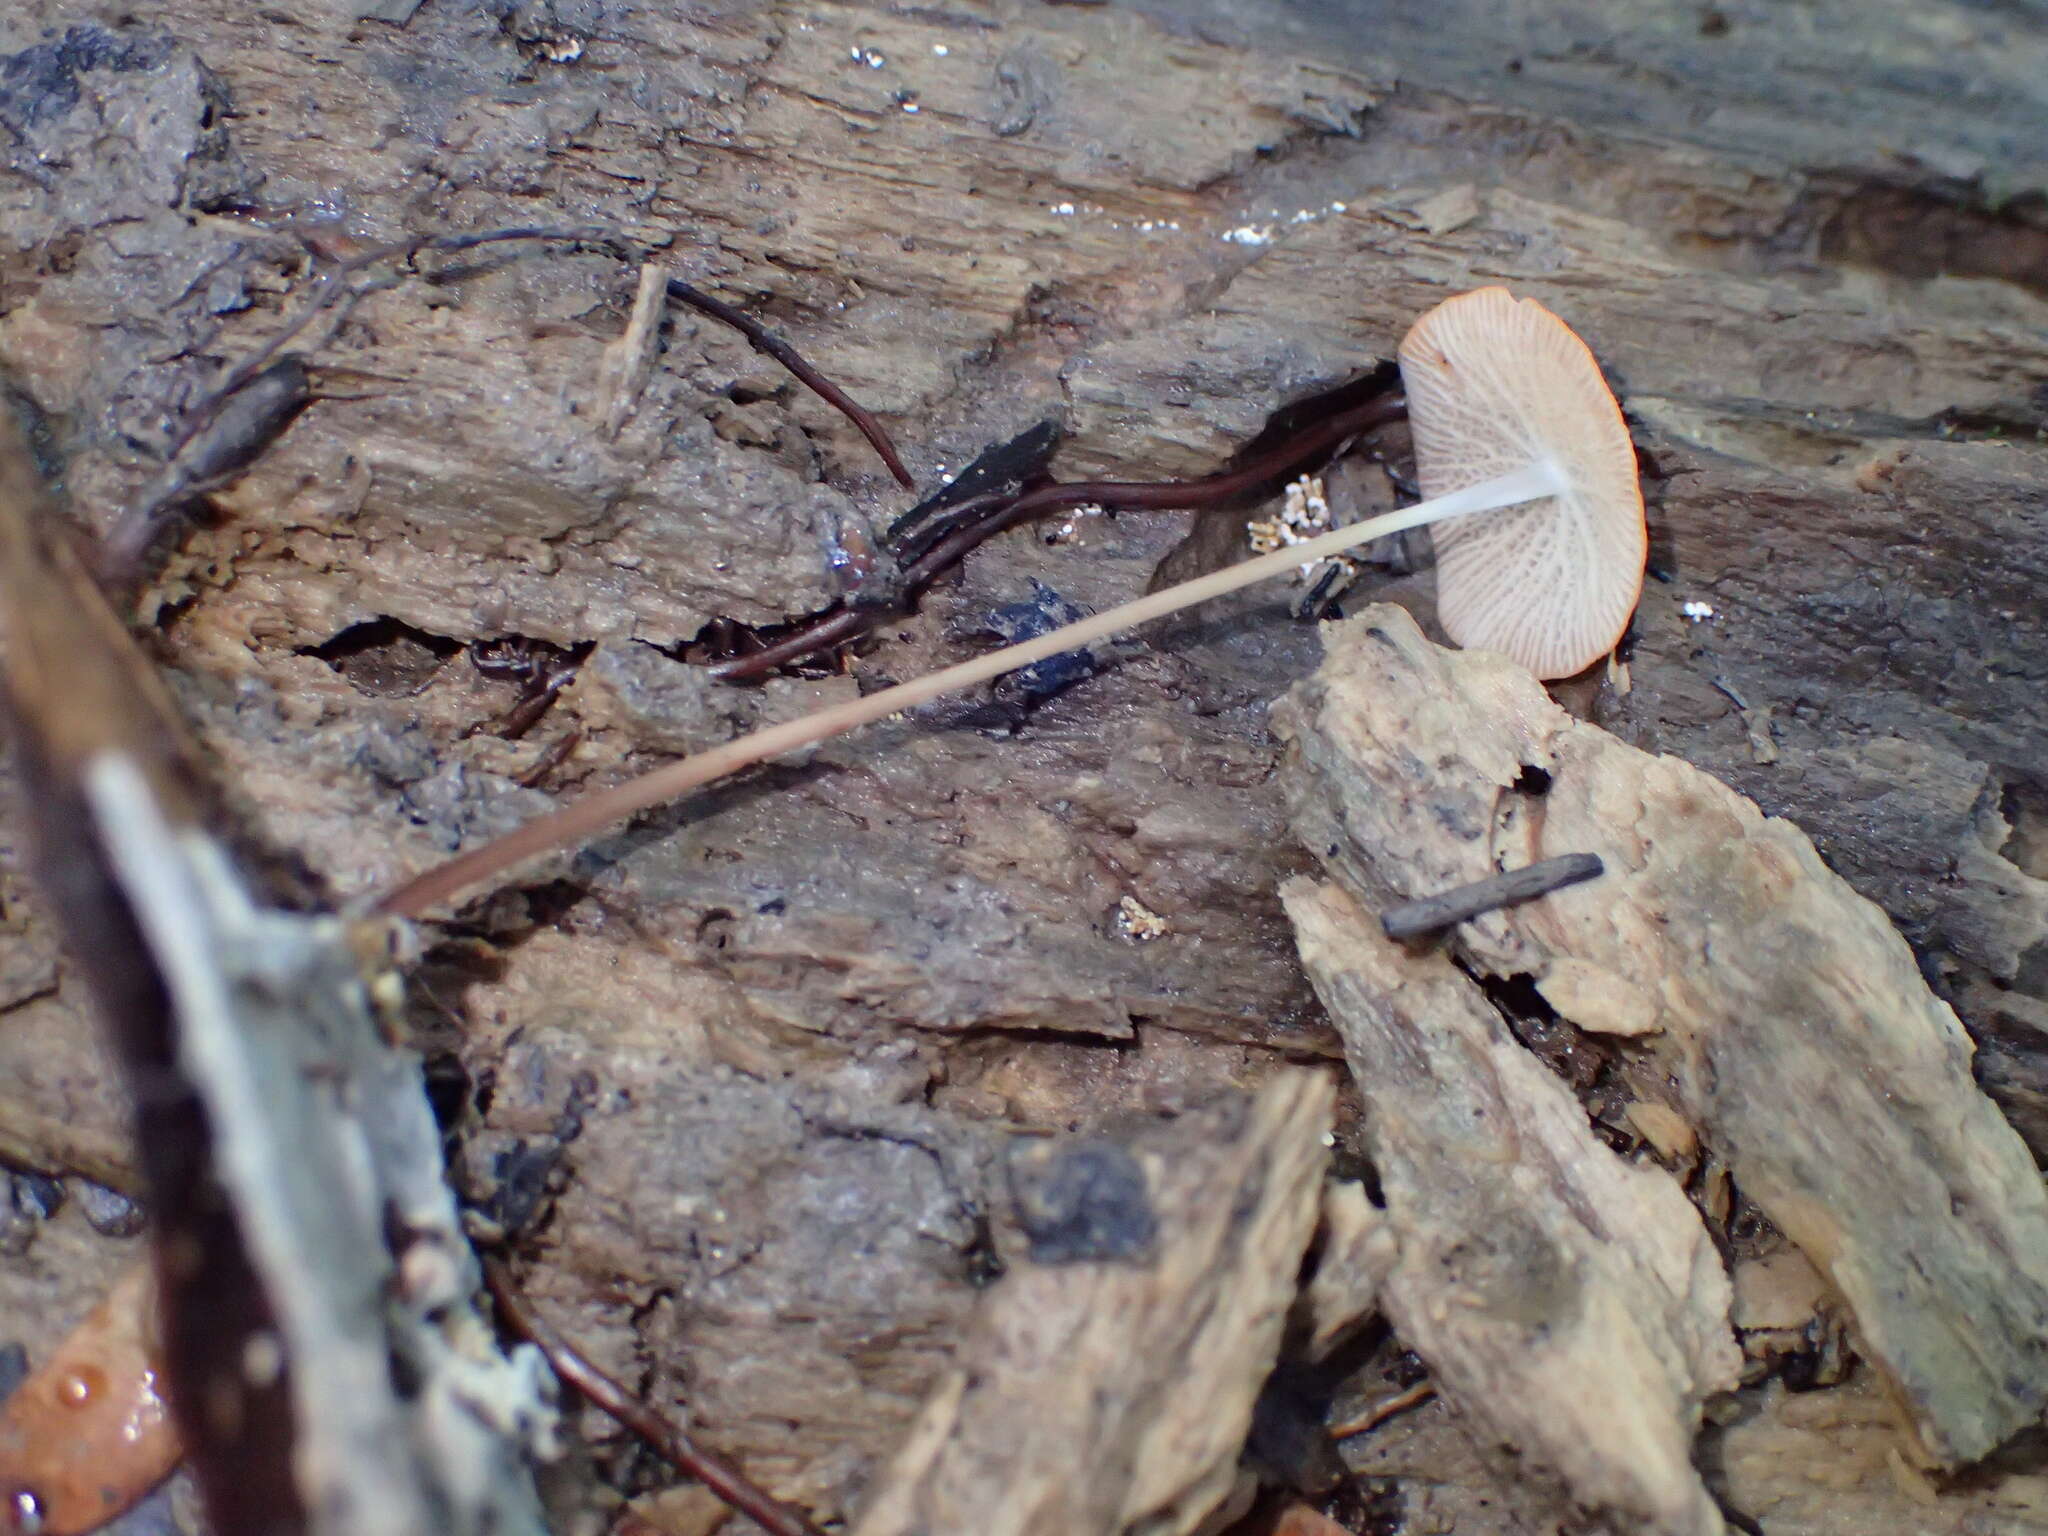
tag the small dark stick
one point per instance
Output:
(960, 536)
(692, 1460)
(763, 340)
(1414, 918)
(227, 433)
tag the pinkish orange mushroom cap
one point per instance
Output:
(1497, 383)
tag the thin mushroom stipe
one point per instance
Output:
(1533, 408)
(591, 814)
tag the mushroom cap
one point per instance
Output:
(1495, 384)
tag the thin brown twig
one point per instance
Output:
(572, 823)
(1385, 1409)
(714, 1471)
(761, 339)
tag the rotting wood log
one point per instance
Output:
(1787, 1011)
(1070, 226)
(1100, 1394)
(1571, 1302)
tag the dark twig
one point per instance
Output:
(1388, 1408)
(252, 405)
(721, 1476)
(840, 625)
(997, 473)
(550, 760)
(1414, 918)
(761, 339)
(227, 434)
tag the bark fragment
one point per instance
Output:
(328, 1368)
(1571, 1302)
(1105, 1395)
(1787, 1011)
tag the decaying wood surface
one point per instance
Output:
(1152, 224)
(1096, 1395)
(1785, 1012)
(1567, 1300)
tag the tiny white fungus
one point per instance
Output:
(1551, 576)
(1304, 513)
(1138, 922)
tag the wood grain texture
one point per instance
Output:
(1795, 290)
(1786, 1010)
(1570, 1302)
(1113, 1395)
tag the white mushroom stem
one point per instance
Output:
(591, 814)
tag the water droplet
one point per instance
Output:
(80, 1388)
(25, 1509)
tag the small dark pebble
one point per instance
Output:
(41, 83)
(13, 1367)
(38, 1195)
(1406, 1369)
(1080, 1201)
(1371, 1506)
(1045, 612)
(522, 1174)
(110, 1214)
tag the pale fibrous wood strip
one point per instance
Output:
(1785, 1009)
(1570, 1303)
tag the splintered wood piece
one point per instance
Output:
(629, 361)
(1786, 1010)
(1097, 1394)
(1355, 1249)
(1572, 1303)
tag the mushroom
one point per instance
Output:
(1493, 383)
(1513, 426)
